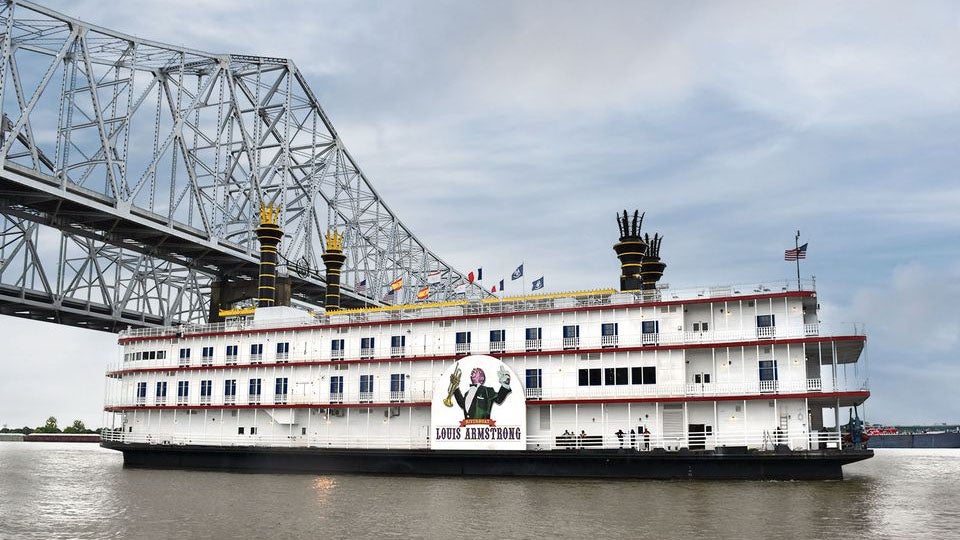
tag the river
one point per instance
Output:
(64, 490)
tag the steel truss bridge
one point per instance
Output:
(133, 173)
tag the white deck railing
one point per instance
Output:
(640, 391)
(558, 344)
(760, 440)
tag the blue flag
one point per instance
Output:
(518, 273)
(537, 283)
(501, 285)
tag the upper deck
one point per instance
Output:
(491, 307)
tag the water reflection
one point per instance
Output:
(82, 491)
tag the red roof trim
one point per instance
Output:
(530, 403)
(516, 354)
(787, 294)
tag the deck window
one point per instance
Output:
(397, 382)
(336, 384)
(162, 389)
(281, 386)
(590, 377)
(183, 389)
(206, 388)
(534, 378)
(644, 375)
(141, 390)
(615, 376)
(768, 370)
(366, 384)
(253, 389)
(230, 387)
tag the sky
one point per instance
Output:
(507, 132)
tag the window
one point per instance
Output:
(650, 331)
(256, 353)
(239, 431)
(534, 386)
(336, 348)
(281, 385)
(141, 391)
(253, 430)
(206, 390)
(609, 334)
(615, 376)
(498, 340)
(766, 325)
(644, 375)
(590, 377)
(230, 388)
(183, 391)
(206, 356)
(283, 351)
(397, 382)
(366, 347)
(366, 384)
(463, 342)
(534, 339)
(253, 390)
(571, 336)
(701, 327)
(768, 370)
(397, 344)
(162, 389)
(184, 357)
(336, 388)
(231, 354)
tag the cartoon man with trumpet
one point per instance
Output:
(479, 400)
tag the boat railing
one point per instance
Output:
(424, 393)
(555, 344)
(476, 307)
(615, 437)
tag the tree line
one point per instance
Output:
(51, 427)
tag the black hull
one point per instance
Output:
(736, 464)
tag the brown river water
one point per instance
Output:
(63, 490)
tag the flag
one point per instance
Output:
(493, 289)
(423, 293)
(460, 288)
(397, 284)
(361, 287)
(479, 274)
(518, 273)
(470, 277)
(434, 277)
(537, 283)
(795, 254)
(389, 297)
(501, 285)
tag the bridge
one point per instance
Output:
(133, 172)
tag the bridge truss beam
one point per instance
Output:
(125, 146)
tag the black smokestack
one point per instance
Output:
(333, 258)
(269, 233)
(631, 250)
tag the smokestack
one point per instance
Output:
(269, 234)
(333, 258)
(631, 250)
(652, 269)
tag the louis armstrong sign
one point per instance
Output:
(478, 404)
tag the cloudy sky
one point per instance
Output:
(504, 132)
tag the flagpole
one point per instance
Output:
(797, 243)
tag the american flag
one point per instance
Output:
(361, 287)
(796, 253)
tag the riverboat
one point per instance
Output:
(648, 381)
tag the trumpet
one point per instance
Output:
(454, 383)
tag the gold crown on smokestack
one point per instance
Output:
(334, 240)
(269, 214)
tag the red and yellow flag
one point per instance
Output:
(397, 284)
(423, 293)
